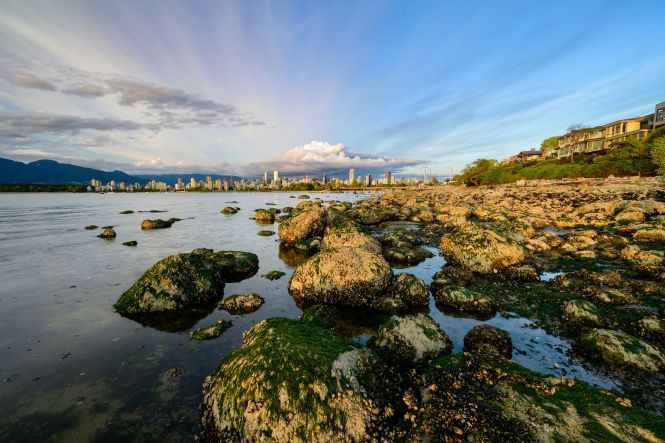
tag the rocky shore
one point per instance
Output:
(583, 260)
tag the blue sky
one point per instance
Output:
(244, 86)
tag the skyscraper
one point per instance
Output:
(352, 176)
(389, 178)
(275, 175)
(265, 177)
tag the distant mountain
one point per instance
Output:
(52, 172)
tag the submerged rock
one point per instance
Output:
(274, 275)
(405, 292)
(344, 276)
(128, 211)
(186, 279)
(488, 342)
(292, 381)
(619, 349)
(130, 243)
(480, 250)
(411, 339)
(91, 227)
(108, 233)
(304, 226)
(210, 332)
(229, 210)
(241, 303)
(266, 233)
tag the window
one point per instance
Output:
(660, 114)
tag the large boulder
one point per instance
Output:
(580, 314)
(344, 276)
(488, 342)
(411, 339)
(616, 348)
(186, 279)
(264, 216)
(341, 232)
(461, 299)
(305, 225)
(480, 250)
(293, 381)
(108, 233)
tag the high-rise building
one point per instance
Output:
(389, 178)
(352, 176)
(265, 177)
(192, 183)
(275, 175)
(325, 178)
(368, 180)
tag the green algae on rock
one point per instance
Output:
(90, 227)
(264, 216)
(210, 332)
(325, 316)
(619, 349)
(229, 210)
(242, 303)
(186, 279)
(488, 342)
(342, 232)
(580, 314)
(292, 381)
(410, 256)
(274, 275)
(130, 243)
(480, 250)
(158, 223)
(303, 226)
(405, 292)
(266, 233)
(458, 298)
(345, 276)
(128, 211)
(411, 339)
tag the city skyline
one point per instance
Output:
(396, 86)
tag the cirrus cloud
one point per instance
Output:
(318, 157)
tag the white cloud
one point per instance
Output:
(319, 156)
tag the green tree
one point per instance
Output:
(550, 142)
(473, 173)
(658, 154)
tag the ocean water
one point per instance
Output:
(72, 369)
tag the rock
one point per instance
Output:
(406, 256)
(264, 216)
(108, 233)
(480, 250)
(309, 246)
(523, 273)
(451, 275)
(91, 227)
(342, 232)
(186, 279)
(629, 216)
(303, 196)
(406, 291)
(461, 299)
(400, 238)
(210, 332)
(411, 339)
(229, 210)
(292, 381)
(609, 296)
(242, 304)
(265, 233)
(579, 314)
(274, 275)
(130, 243)
(649, 235)
(129, 211)
(652, 326)
(325, 316)
(158, 223)
(373, 216)
(345, 276)
(304, 226)
(619, 349)
(488, 342)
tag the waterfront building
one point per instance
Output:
(275, 175)
(352, 176)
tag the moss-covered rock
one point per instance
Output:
(405, 292)
(488, 342)
(345, 276)
(229, 210)
(292, 381)
(242, 303)
(406, 256)
(264, 216)
(108, 233)
(309, 246)
(342, 232)
(128, 211)
(266, 233)
(580, 314)
(306, 225)
(411, 339)
(210, 332)
(619, 349)
(460, 299)
(480, 250)
(90, 227)
(400, 238)
(651, 235)
(274, 275)
(521, 273)
(611, 296)
(186, 279)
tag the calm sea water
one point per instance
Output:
(72, 369)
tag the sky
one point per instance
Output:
(310, 87)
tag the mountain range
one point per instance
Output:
(53, 172)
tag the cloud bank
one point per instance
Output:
(318, 157)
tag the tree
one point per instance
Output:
(472, 173)
(550, 142)
(658, 154)
(575, 133)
